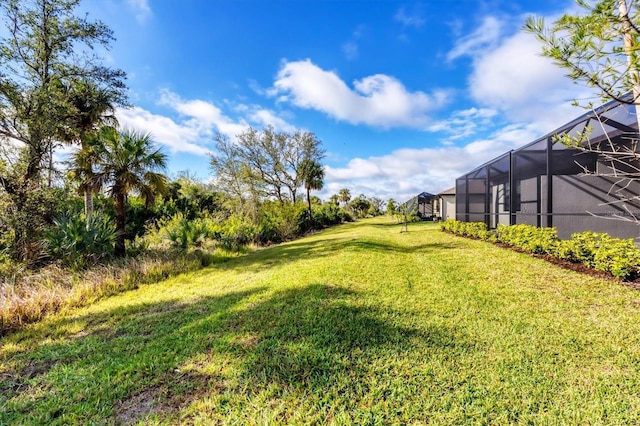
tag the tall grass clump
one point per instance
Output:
(29, 296)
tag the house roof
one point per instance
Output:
(450, 191)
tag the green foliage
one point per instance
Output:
(236, 232)
(361, 205)
(23, 222)
(127, 161)
(590, 45)
(187, 233)
(392, 205)
(190, 198)
(329, 214)
(44, 49)
(476, 230)
(78, 242)
(618, 257)
(281, 222)
(529, 238)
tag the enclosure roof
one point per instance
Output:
(614, 117)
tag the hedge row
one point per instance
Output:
(618, 257)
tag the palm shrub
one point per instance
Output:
(185, 233)
(78, 241)
(127, 161)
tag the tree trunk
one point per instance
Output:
(88, 204)
(309, 203)
(120, 225)
(629, 50)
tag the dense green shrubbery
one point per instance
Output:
(281, 222)
(185, 233)
(468, 229)
(329, 214)
(529, 238)
(618, 257)
(276, 222)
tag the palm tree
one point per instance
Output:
(127, 161)
(344, 195)
(92, 107)
(312, 174)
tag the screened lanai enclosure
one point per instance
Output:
(547, 183)
(421, 205)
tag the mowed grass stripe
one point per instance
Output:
(359, 324)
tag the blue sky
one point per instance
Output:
(405, 96)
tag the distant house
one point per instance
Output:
(444, 204)
(544, 183)
(422, 205)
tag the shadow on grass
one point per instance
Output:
(290, 252)
(128, 363)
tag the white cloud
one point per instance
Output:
(196, 123)
(178, 137)
(378, 100)
(267, 117)
(202, 115)
(509, 75)
(409, 19)
(350, 50)
(484, 37)
(141, 9)
(464, 123)
(404, 173)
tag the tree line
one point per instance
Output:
(56, 91)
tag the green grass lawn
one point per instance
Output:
(359, 324)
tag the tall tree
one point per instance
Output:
(312, 175)
(43, 47)
(598, 46)
(302, 146)
(261, 152)
(264, 162)
(92, 107)
(128, 161)
(361, 205)
(344, 195)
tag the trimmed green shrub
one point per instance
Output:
(476, 230)
(620, 258)
(529, 238)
